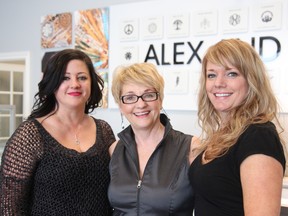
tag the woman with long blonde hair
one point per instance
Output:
(241, 165)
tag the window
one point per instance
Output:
(7, 123)
(11, 99)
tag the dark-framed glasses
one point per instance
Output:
(147, 97)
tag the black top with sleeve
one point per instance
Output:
(217, 184)
(39, 176)
(164, 188)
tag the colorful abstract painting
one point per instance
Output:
(56, 30)
(91, 35)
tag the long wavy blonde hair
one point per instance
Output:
(260, 105)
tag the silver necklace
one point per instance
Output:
(76, 138)
(77, 141)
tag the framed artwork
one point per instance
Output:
(129, 30)
(178, 25)
(205, 22)
(56, 30)
(92, 35)
(267, 16)
(235, 20)
(152, 28)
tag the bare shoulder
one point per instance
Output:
(194, 148)
(112, 147)
(195, 142)
(40, 119)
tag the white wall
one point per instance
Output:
(20, 31)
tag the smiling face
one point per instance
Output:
(141, 115)
(75, 88)
(226, 88)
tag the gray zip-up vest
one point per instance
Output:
(164, 188)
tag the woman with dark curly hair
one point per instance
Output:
(56, 162)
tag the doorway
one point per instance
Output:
(14, 92)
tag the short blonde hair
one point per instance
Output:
(140, 73)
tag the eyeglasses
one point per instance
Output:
(147, 97)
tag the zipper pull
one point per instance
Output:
(139, 184)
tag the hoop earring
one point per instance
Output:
(122, 122)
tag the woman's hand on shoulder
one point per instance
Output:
(112, 147)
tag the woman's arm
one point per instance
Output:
(112, 147)
(19, 162)
(261, 179)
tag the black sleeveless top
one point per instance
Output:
(164, 188)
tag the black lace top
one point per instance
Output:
(39, 176)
